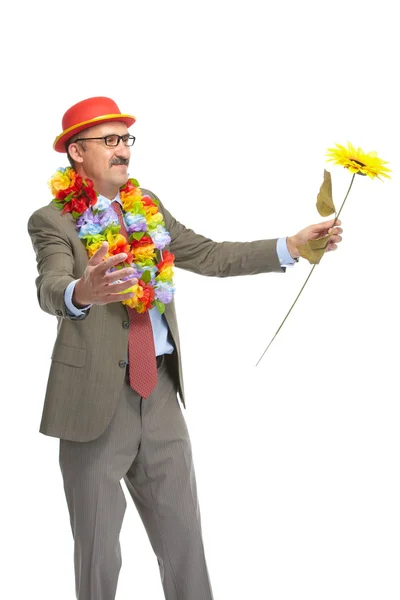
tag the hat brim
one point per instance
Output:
(59, 144)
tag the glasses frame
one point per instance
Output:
(104, 138)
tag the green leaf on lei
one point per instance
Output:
(93, 239)
(147, 262)
(137, 209)
(146, 276)
(160, 306)
(114, 230)
(136, 235)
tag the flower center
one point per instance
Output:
(361, 165)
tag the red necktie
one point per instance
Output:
(142, 354)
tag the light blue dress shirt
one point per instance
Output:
(162, 340)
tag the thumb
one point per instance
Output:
(99, 255)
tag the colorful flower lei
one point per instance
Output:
(97, 222)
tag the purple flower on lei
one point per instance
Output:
(160, 237)
(164, 291)
(108, 218)
(135, 222)
(101, 204)
(88, 224)
(91, 223)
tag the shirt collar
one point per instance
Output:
(116, 199)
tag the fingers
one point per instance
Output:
(120, 274)
(115, 288)
(331, 222)
(335, 233)
(117, 297)
(99, 255)
(326, 225)
(335, 239)
(336, 230)
(110, 262)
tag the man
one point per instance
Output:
(115, 375)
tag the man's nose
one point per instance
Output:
(123, 150)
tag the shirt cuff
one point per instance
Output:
(71, 309)
(285, 258)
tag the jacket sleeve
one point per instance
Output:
(55, 264)
(202, 255)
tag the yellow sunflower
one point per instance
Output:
(357, 161)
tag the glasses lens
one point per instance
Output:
(128, 140)
(111, 140)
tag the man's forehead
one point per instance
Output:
(105, 129)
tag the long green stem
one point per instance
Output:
(309, 275)
(348, 192)
(290, 310)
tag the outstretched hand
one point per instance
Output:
(97, 286)
(312, 232)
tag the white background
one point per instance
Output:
(297, 460)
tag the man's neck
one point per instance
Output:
(101, 188)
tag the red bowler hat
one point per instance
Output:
(88, 113)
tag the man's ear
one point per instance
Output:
(76, 152)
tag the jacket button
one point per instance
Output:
(59, 313)
(122, 364)
(125, 324)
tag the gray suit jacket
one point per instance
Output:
(85, 377)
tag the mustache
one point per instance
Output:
(119, 160)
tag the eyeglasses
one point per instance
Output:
(113, 139)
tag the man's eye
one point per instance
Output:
(111, 140)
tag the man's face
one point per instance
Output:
(106, 165)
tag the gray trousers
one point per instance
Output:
(147, 443)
